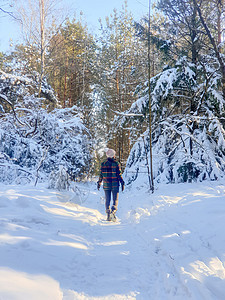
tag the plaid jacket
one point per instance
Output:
(110, 174)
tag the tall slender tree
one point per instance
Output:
(37, 17)
(151, 182)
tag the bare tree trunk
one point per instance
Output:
(65, 83)
(219, 22)
(147, 164)
(83, 76)
(150, 106)
(42, 31)
(193, 34)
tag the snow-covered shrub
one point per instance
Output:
(39, 140)
(59, 136)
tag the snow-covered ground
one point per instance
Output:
(169, 245)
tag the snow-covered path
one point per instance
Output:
(169, 245)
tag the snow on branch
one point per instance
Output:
(124, 114)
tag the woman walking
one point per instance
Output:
(110, 174)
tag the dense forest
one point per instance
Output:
(152, 89)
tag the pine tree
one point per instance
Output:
(121, 66)
(72, 51)
(188, 141)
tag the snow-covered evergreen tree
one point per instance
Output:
(188, 134)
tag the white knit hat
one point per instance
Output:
(110, 153)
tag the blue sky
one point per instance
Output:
(92, 11)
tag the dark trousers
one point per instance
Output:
(115, 195)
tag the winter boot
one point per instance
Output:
(113, 213)
(108, 213)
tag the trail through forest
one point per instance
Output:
(58, 245)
